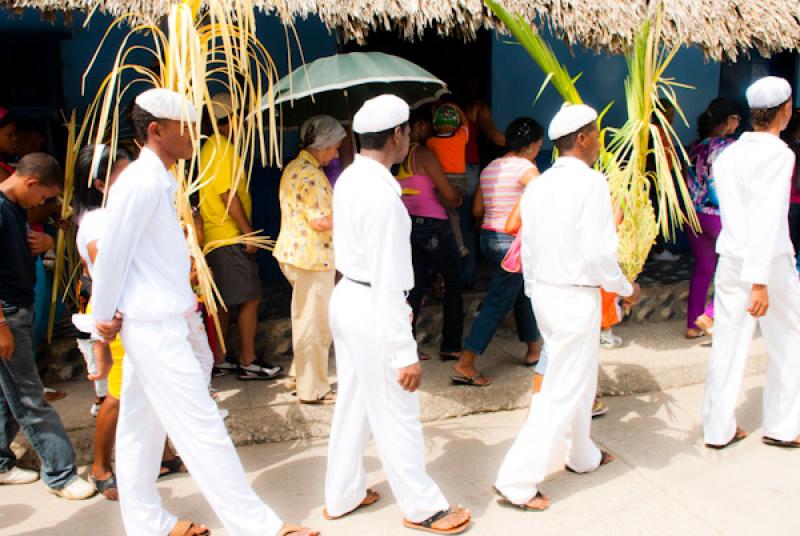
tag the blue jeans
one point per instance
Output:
(433, 249)
(505, 294)
(22, 405)
(468, 263)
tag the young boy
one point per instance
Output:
(449, 144)
(38, 177)
(756, 280)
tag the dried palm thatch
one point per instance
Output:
(722, 28)
(624, 159)
(195, 53)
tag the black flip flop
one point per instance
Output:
(505, 501)
(427, 525)
(172, 466)
(464, 380)
(104, 485)
(736, 438)
(772, 442)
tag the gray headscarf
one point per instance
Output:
(321, 132)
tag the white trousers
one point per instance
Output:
(733, 334)
(569, 320)
(369, 399)
(165, 391)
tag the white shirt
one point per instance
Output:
(372, 241)
(753, 180)
(91, 229)
(568, 232)
(142, 270)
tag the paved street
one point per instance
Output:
(664, 481)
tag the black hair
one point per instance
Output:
(43, 167)
(86, 195)
(567, 143)
(522, 132)
(7, 119)
(141, 121)
(375, 141)
(717, 113)
(763, 117)
(423, 113)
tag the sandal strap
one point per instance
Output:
(103, 485)
(435, 517)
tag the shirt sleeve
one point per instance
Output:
(390, 274)
(599, 241)
(126, 220)
(769, 192)
(316, 197)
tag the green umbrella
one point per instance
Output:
(338, 85)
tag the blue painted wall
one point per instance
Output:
(517, 79)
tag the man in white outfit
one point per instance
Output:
(376, 354)
(569, 251)
(756, 280)
(142, 276)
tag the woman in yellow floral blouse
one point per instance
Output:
(305, 252)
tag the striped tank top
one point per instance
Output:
(501, 189)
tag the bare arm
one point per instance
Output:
(529, 175)
(236, 211)
(487, 126)
(514, 221)
(477, 205)
(322, 224)
(430, 167)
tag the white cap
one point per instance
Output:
(570, 118)
(768, 92)
(380, 113)
(221, 105)
(165, 104)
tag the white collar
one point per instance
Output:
(570, 161)
(380, 170)
(149, 157)
(762, 137)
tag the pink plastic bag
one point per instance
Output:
(512, 262)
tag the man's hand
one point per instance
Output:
(109, 330)
(409, 377)
(759, 301)
(6, 342)
(104, 360)
(634, 298)
(250, 249)
(39, 242)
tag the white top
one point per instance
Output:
(142, 270)
(753, 180)
(91, 228)
(372, 241)
(568, 231)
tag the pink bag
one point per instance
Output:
(512, 262)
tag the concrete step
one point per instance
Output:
(655, 356)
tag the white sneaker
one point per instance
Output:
(95, 409)
(77, 490)
(665, 256)
(15, 475)
(608, 340)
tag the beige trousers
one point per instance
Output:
(311, 332)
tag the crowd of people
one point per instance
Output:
(363, 238)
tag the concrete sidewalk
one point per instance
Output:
(664, 481)
(655, 356)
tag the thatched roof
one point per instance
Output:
(722, 28)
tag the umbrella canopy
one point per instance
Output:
(338, 85)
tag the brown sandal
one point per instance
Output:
(428, 525)
(772, 442)
(738, 436)
(183, 528)
(605, 459)
(523, 506)
(288, 530)
(371, 498)
(326, 399)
